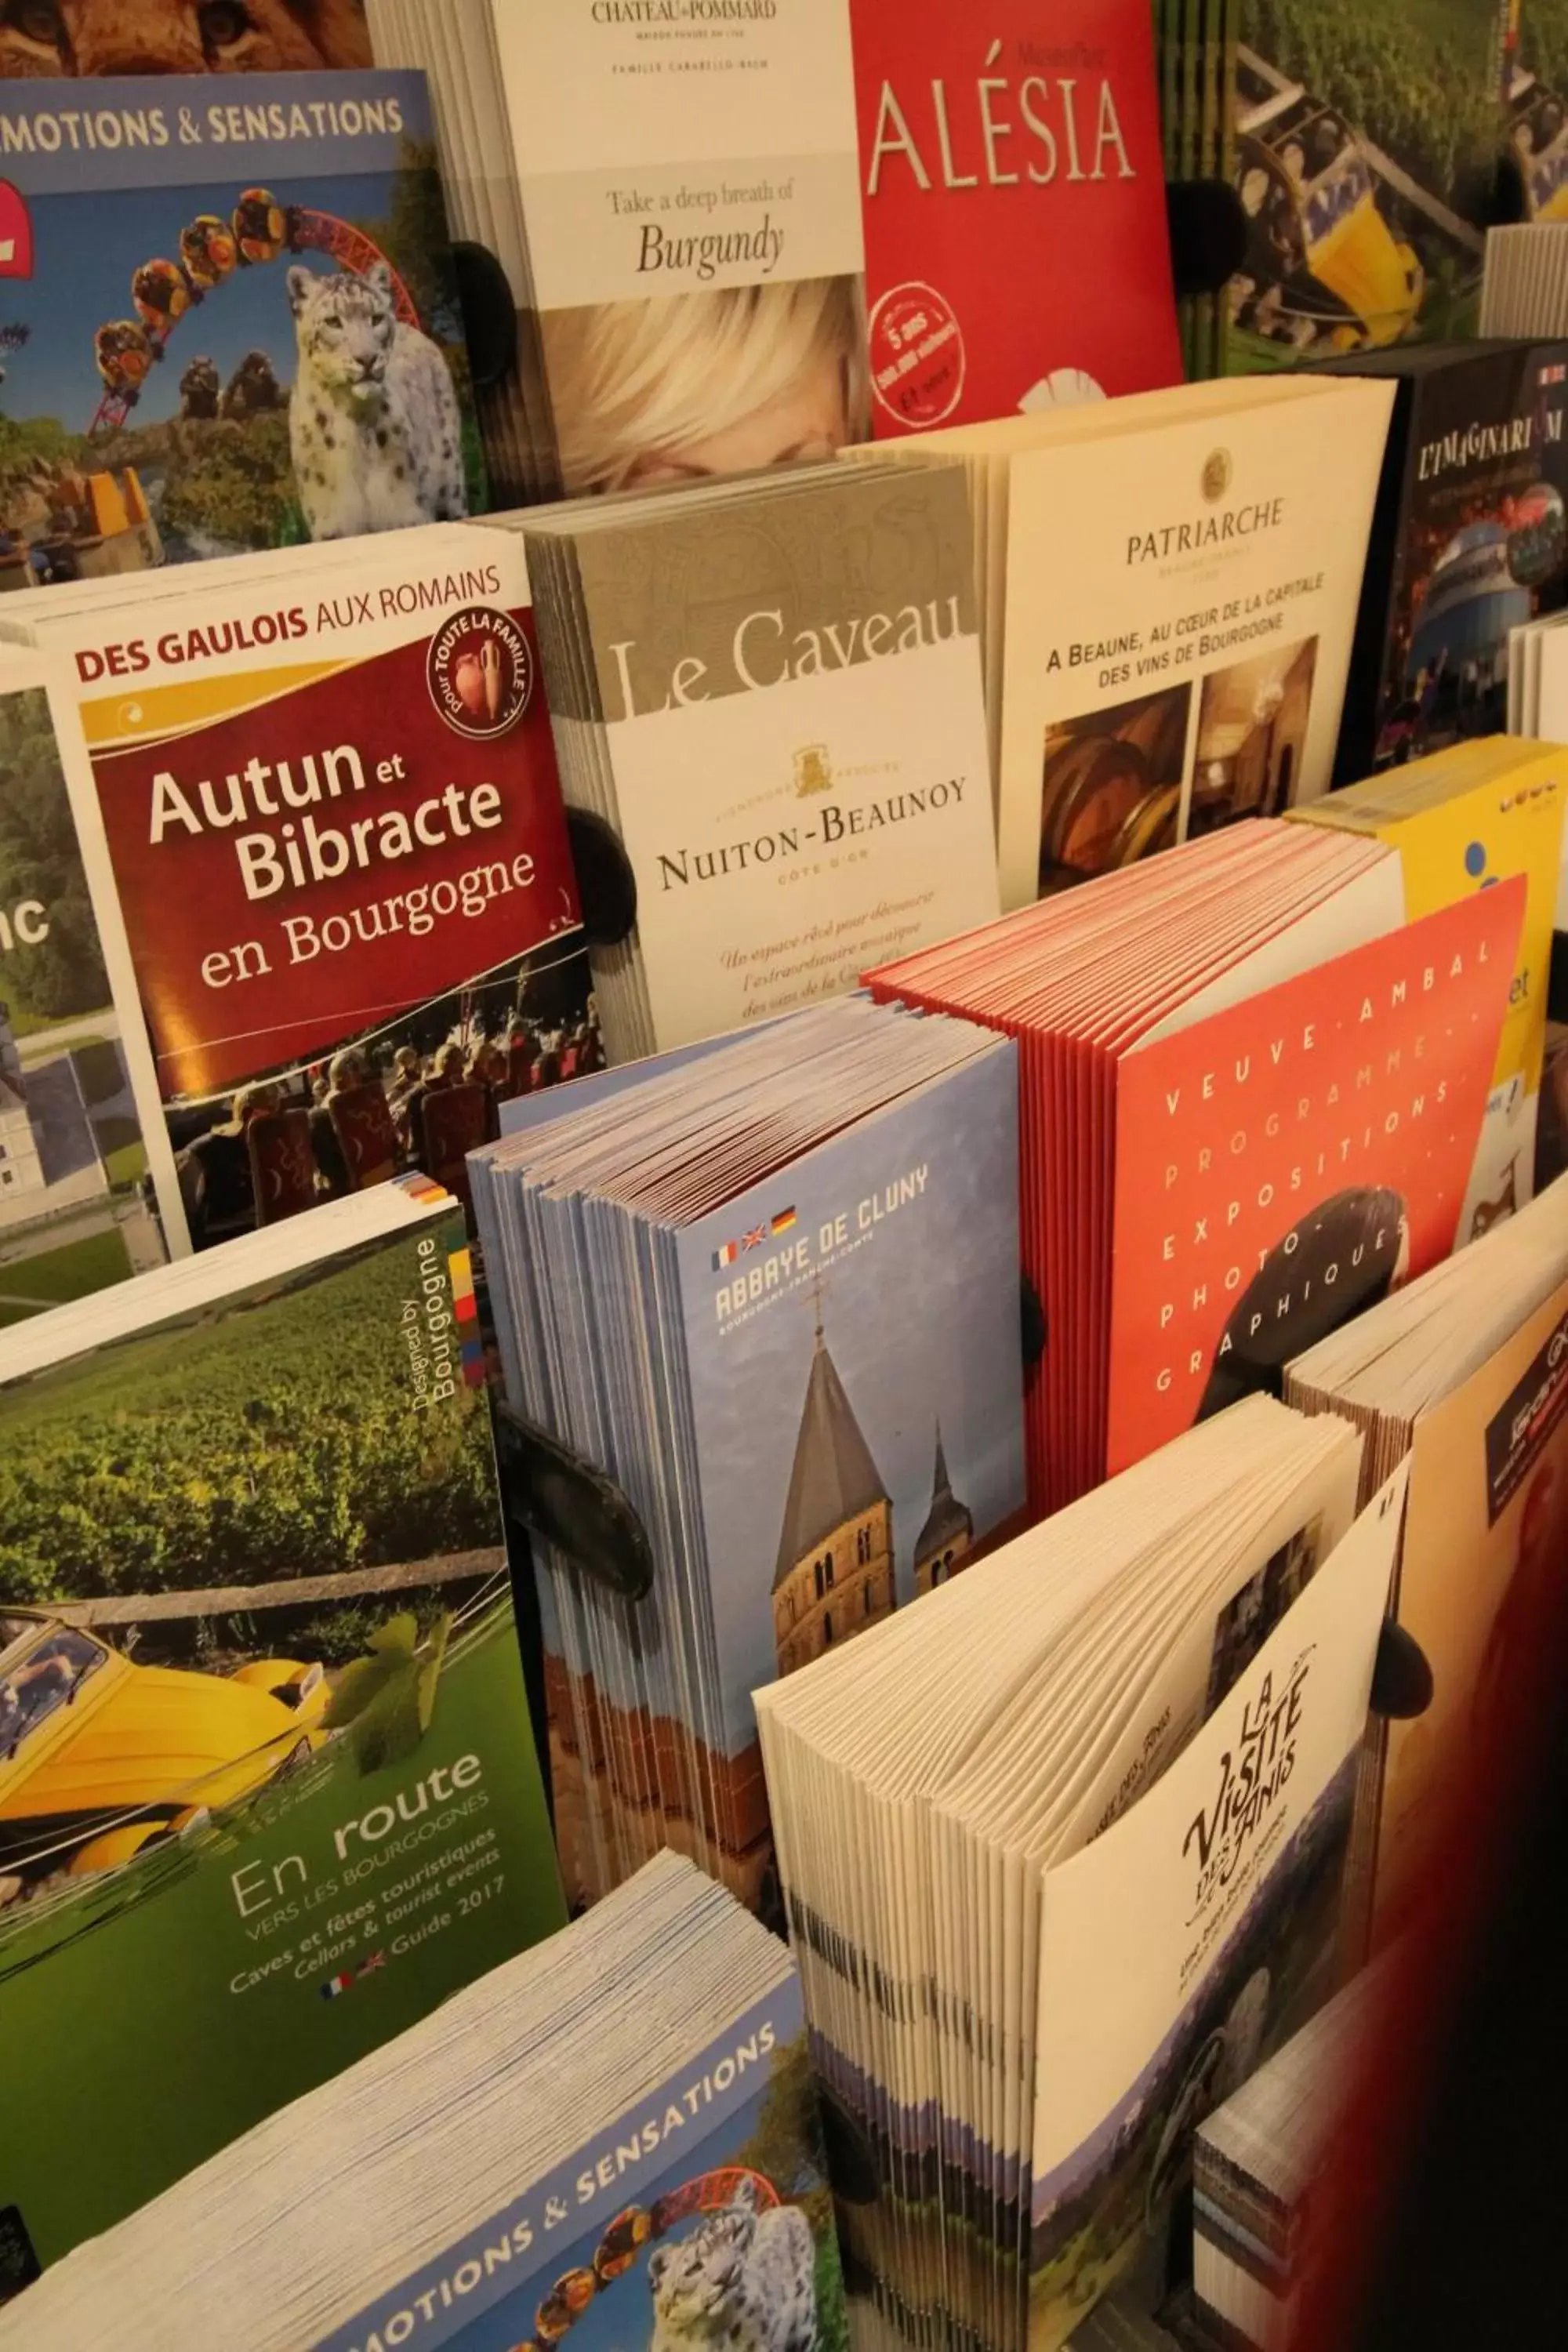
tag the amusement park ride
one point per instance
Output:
(1324, 270)
(211, 249)
(100, 520)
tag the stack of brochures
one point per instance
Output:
(1537, 700)
(675, 203)
(268, 1792)
(324, 906)
(1524, 290)
(1186, 668)
(1061, 1851)
(770, 689)
(772, 1289)
(433, 2196)
(1235, 1138)
(1463, 820)
(1466, 1374)
(1473, 480)
(1256, 2162)
(1258, 2166)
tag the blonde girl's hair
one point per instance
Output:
(630, 381)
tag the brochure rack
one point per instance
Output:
(553, 1493)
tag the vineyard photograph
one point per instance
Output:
(1418, 78)
(269, 1441)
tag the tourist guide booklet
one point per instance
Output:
(73, 1213)
(323, 836)
(229, 320)
(1462, 820)
(1466, 1374)
(771, 690)
(1470, 541)
(770, 1287)
(1233, 1145)
(1187, 668)
(267, 1787)
(1061, 1851)
(1005, 180)
(674, 200)
(673, 2186)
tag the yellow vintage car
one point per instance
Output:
(1311, 202)
(100, 1758)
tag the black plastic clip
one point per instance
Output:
(489, 314)
(1207, 229)
(553, 1494)
(851, 2163)
(605, 884)
(1402, 1676)
(1035, 1330)
(1557, 979)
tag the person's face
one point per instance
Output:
(806, 420)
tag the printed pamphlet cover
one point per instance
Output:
(267, 1791)
(147, 37)
(792, 693)
(1485, 1540)
(229, 320)
(704, 2216)
(846, 1340)
(1367, 142)
(1284, 1162)
(1003, 177)
(1470, 541)
(72, 1213)
(1510, 823)
(1195, 1935)
(857, 1390)
(689, 194)
(1187, 668)
(324, 832)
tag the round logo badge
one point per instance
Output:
(1216, 474)
(479, 671)
(917, 355)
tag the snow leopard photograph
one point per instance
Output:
(268, 354)
(724, 2241)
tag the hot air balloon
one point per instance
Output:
(259, 228)
(161, 293)
(124, 355)
(208, 251)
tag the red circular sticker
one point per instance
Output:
(479, 671)
(917, 355)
